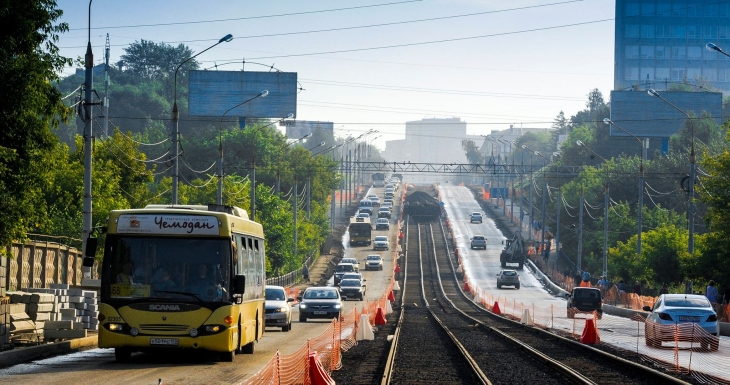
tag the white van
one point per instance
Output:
(366, 206)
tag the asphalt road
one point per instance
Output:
(195, 367)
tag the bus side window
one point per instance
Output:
(258, 273)
(240, 247)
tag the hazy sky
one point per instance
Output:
(510, 62)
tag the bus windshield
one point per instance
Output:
(189, 269)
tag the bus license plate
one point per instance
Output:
(164, 341)
(320, 312)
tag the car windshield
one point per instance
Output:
(687, 302)
(373, 257)
(384, 210)
(350, 282)
(320, 293)
(342, 268)
(275, 294)
(382, 220)
(476, 215)
(381, 239)
(349, 260)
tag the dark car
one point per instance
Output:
(585, 299)
(384, 212)
(343, 268)
(320, 302)
(352, 288)
(382, 224)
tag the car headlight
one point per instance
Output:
(338, 306)
(302, 305)
(280, 310)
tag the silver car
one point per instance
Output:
(508, 277)
(381, 243)
(374, 262)
(278, 308)
(672, 311)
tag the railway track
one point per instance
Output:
(482, 347)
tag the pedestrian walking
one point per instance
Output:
(397, 271)
(711, 292)
(664, 289)
(621, 287)
(305, 273)
(637, 288)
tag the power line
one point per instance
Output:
(250, 17)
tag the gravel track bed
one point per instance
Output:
(598, 368)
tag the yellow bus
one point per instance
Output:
(360, 230)
(189, 277)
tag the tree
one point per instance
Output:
(30, 106)
(151, 60)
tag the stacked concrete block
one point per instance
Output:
(58, 330)
(4, 322)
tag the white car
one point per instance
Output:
(672, 310)
(374, 262)
(381, 243)
(351, 260)
(278, 308)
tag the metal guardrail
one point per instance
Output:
(292, 277)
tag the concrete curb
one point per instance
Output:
(21, 355)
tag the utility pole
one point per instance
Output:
(557, 228)
(309, 195)
(580, 231)
(296, 206)
(532, 206)
(105, 106)
(88, 141)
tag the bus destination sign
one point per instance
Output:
(168, 224)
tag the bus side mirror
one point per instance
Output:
(239, 284)
(90, 252)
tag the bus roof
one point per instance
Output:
(189, 220)
(359, 220)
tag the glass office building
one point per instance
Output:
(662, 42)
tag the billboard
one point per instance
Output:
(645, 116)
(212, 93)
(298, 128)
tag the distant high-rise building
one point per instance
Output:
(662, 42)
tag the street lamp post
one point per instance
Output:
(639, 210)
(532, 183)
(605, 213)
(261, 94)
(87, 214)
(176, 120)
(544, 197)
(512, 200)
(691, 187)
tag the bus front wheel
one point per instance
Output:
(122, 354)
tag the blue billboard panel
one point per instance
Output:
(645, 116)
(212, 93)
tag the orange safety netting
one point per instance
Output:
(339, 337)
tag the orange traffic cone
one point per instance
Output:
(495, 308)
(391, 297)
(590, 333)
(380, 317)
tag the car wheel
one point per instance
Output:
(600, 315)
(286, 327)
(122, 354)
(302, 319)
(499, 286)
(228, 356)
(517, 287)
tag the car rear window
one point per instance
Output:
(587, 294)
(478, 238)
(687, 302)
(509, 273)
(344, 268)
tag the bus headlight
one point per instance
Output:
(193, 333)
(115, 327)
(212, 328)
(134, 332)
